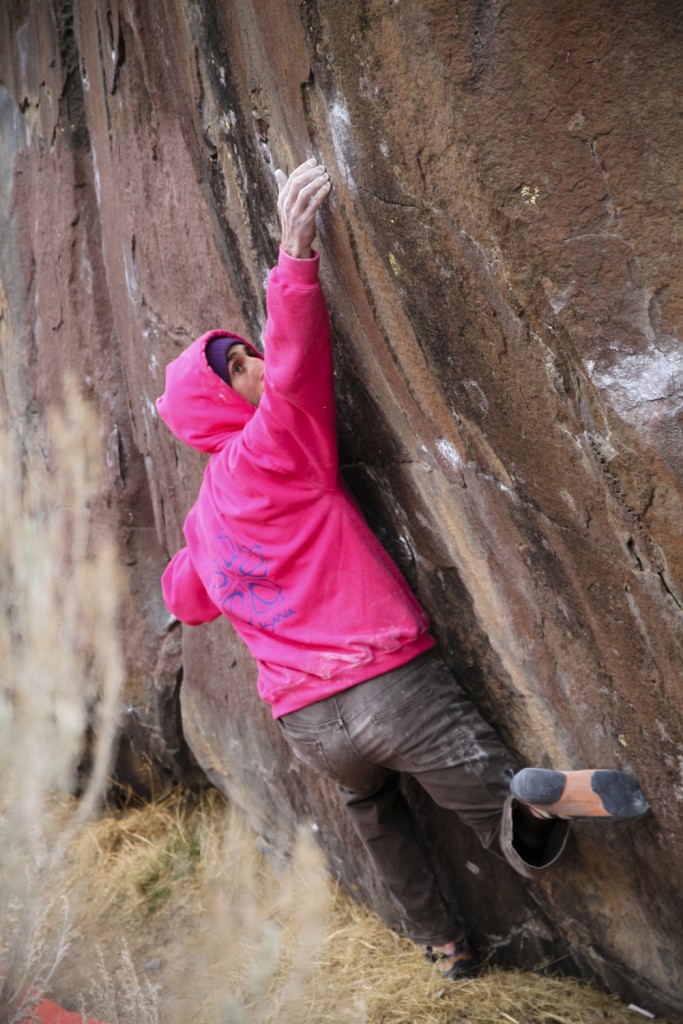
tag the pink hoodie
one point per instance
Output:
(275, 541)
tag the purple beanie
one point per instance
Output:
(217, 352)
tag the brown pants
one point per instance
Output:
(417, 720)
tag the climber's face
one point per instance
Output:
(245, 371)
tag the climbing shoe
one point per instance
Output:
(596, 793)
(458, 964)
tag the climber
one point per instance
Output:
(345, 658)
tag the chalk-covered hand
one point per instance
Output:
(300, 197)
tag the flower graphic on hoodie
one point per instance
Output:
(244, 590)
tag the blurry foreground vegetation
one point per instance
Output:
(60, 674)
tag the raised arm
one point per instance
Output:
(298, 344)
(295, 426)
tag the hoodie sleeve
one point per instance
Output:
(295, 428)
(184, 592)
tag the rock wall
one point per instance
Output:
(502, 263)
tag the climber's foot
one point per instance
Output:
(454, 959)
(593, 793)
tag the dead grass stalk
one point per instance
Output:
(60, 672)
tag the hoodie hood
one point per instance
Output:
(197, 406)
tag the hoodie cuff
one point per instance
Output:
(302, 271)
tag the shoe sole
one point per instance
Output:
(600, 793)
(465, 965)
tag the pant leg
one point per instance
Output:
(423, 724)
(390, 833)
(380, 816)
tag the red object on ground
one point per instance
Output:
(48, 1012)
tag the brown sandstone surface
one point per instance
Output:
(503, 265)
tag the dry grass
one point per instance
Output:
(233, 939)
